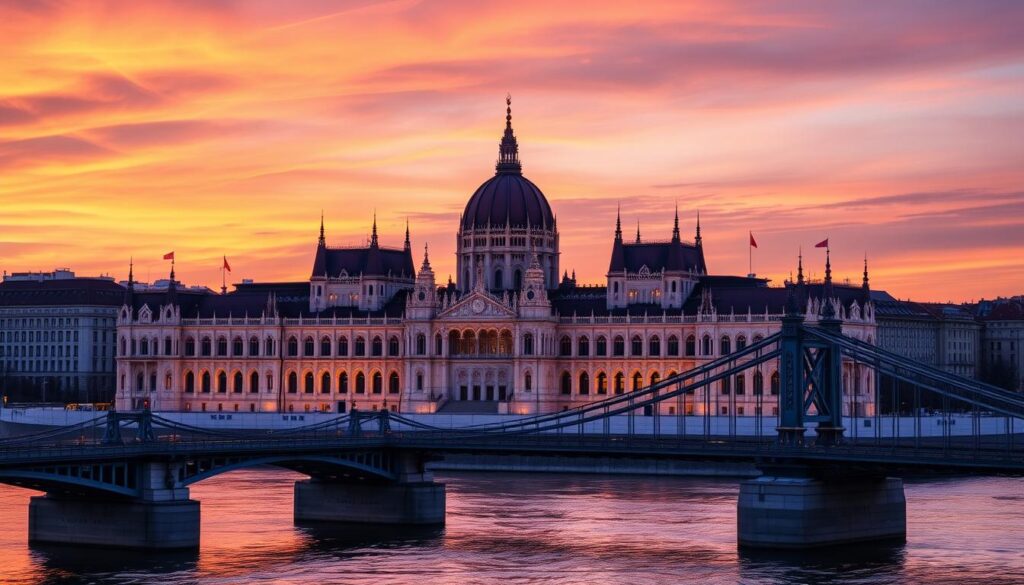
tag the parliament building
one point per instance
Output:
(369, 330)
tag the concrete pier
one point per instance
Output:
(115, 523)
(419, 503)
(800, 512)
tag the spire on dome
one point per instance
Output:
(426, 259)
(408, 243)
(373, 234)
(322, 242)
(508, 150)
(696, 240)
(675, 225)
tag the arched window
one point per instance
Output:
(237, 383)
(360, 346)
(517, 279)
(566, 386)
(654, 346)
(190, 346)
(528, 344)
(741, 342)
(254, 381)
(168, 347)
(498, 280)
(293, 347)
(144, 347)
(620, 383)
(124, 345)
(673, 346)
(343, 383)
(378, 383)
(207, 347)
(505, 342)
(269, 385)
(190, 382)
(583, 346)
(393, 386)
(268, 346)
(584, 383)
(238, 347)
(528, 381)
(636, 346)
(140, 381)
(619, 346)
(421, 344)
(222, 346)
(705, 345)
(307, 383)
(360, 383)
(758, 338)
(565, 346)
(758, 383)
(691, 345)
(377, 347)
(775, 384)
(419, 381)
(325, 346)
(308, 347)
(325, 383)
(638, 381)
(254, 347)
(393, 346)
(601, 348)
(343, 346)
(724, 385)
(204, 383)
(602, 383)
(222, 383)
(741, 384)
(655, 378)
(725, 346)
(293, 383)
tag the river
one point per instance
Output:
(532, 528)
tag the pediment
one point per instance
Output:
(477, 305)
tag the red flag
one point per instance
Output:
(753, 242)
(169, 256)
(226, 265)
(822, 244)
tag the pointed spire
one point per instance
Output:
(638, 231)
(864, 284)
(696, 240)
(508, 150)
(426, 258)
(131, 273)
(800, 267)
(618, 223)
(675, 225)
(322, 242)
(373, 234)
(828, 268)
(408, 243)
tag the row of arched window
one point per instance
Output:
(651, 348)
(617, 381)
(326, 383)
(309, 347)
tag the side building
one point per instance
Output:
(57, 336)
(1003, 333)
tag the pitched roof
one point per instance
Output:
(369, 261)
(72, 291)
(657, 257)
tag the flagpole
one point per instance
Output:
(223, 278)
(750, 254)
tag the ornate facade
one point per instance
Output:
(367, 330)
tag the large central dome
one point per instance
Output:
(508, 197)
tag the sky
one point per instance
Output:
(222, 128)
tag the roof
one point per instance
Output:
(72, 291)
(1007, 311)
(508, 198)
(369, 261)
(669, 256)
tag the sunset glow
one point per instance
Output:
(131, 129)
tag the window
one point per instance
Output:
(758, 383)
(237, 382)
(325, 383)
(222, 383)
(528, 344)
(673, 346)
(741, 384)
(308, 347)
(584, 386)
(724, 385)
(602, 383)
(222, 346)
(254, 347)
(619, 346)
(268, 346)
(207, 347)
(144, 347)
(636, 346)
(725, 345)
(638, 381)
(254, 379)
(419, 381)
(343, 383)
(378, 383)
(167, 345)
(360, 346)
(528, 381)
(705, 343)
(775, 384)
(238, 348)
(602, 346)
(393, 386)
(190, 382)
(565, 346)
(583, 346)
(741, 343)
(620, 383)
(293, 347)
(307, 383)
(205, 383)
(438, 344)
(377, 349)
(325, 346)
(293, 383)
(190, 347)
(654, 346)
(421, 344)
(498, 281)
(655, 378)
(393, 346)
(566, 386)
(360, 383)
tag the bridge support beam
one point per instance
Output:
(414, 499)
(803, 512)
(114, 523)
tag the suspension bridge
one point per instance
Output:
(123, 478)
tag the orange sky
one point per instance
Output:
(219, 127)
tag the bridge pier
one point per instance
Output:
(804, 512)
(414, 499)
(162, 517)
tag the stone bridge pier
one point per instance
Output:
(161, 517)
(413, 499)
